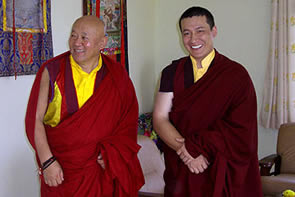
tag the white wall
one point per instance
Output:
(153, 43)
(18, 170)
(141, 42)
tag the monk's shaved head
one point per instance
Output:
(92, 21)
(86, 41)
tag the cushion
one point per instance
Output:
(272, 185)
(286, 147)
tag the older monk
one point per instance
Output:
(82, 120)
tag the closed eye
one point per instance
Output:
(73, 35)
(84, 38)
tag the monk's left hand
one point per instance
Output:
(100, 161)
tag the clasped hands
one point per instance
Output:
(196, 165)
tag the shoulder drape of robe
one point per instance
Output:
(106, 124)
(218, 118)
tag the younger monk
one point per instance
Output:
(206, 113)
(82, 120)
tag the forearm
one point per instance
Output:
(42, 146)
(40, 138)
(167, 132)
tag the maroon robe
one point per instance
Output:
(217, 116)
(106, 124)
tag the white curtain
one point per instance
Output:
(278, 104)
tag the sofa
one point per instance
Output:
(283, 163)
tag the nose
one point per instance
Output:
(194, 37)
(77, 41)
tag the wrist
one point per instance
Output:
(48, 162)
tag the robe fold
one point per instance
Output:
(217, 116)
(106, 124)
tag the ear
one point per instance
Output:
(214, 31)
(103, 42)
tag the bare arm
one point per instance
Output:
(53, 174)
(171, 136)
(161, 123)
(40, 136)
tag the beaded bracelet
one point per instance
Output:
(48, 162)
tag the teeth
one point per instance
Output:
(79, 51)
(197, 47)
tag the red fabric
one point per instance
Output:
(122, 34)
(97, 8)
(218, 118)
(60, 81)
(106, 124)
(24, 43)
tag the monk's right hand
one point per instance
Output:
(53, 175)
(100, 161)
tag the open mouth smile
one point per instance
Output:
(197, 46)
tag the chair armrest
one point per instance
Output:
(266, 164)
(149, 194)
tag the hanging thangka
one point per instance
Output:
(113, 13)
(25, 36)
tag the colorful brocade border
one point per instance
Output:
(24, 49)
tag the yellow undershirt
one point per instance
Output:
(199, 72)
(84, 82)
(84, 85)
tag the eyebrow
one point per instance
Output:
(198, 27)
(83, 33)
(185, 30)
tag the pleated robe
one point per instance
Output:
(106, 124)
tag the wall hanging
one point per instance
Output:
(25, 36)
(113, 13)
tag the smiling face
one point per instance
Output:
(86, 40)
(197, 36)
